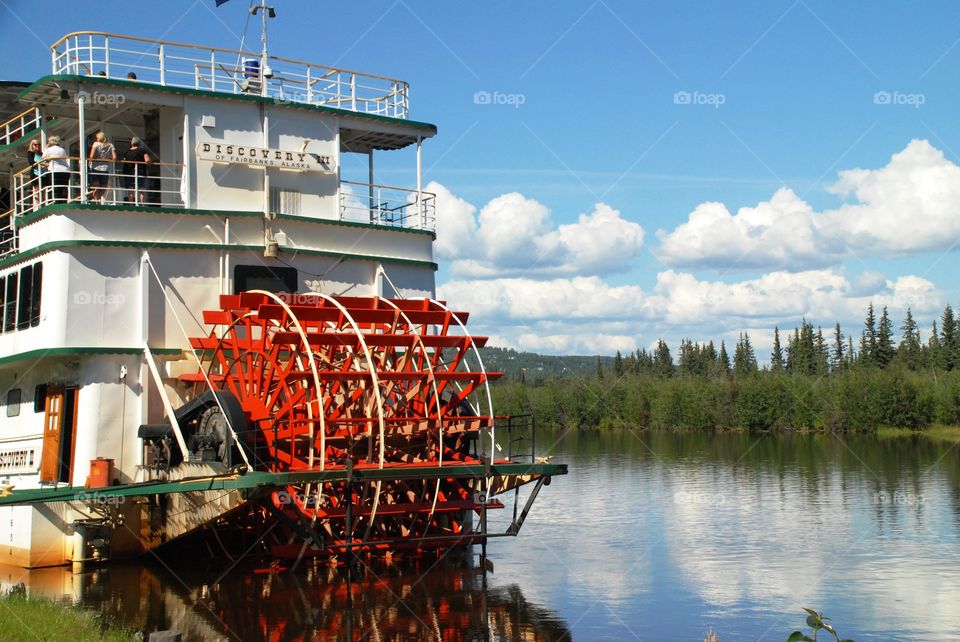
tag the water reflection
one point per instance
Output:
(655, 536)
(450, 600)
(737, 532)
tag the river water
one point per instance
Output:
(652, 536)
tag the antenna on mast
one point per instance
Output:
(265, 12)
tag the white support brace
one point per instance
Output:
(167, 407)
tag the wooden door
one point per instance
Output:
(52, 435)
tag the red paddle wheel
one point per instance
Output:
(390, 391)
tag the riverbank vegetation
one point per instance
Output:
(30, 618)
(810, 383)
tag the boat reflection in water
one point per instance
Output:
(427, 600)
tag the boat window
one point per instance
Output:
(23, 312)
(39, 397)
(261, 277)
(10, 309)
(13, 402)
(35, 297)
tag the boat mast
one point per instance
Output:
(265, 71)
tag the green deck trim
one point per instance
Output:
(79, 352)
(186, 91)
(60, 208)
(263, 482)
(57, 245)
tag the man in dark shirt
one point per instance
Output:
(135, 162)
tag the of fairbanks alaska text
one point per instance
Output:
(244, 154)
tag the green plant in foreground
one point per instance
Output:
(815, 621)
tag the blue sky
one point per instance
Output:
(649, 109)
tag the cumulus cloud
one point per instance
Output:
(589, 315)
(910, 205)
(514, 235)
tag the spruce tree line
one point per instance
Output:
(814, 380)
(808, 351)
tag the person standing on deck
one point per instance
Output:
(34, 155)
(58, 169)
(135, 171)
(102, 155)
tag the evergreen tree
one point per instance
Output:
(662, 360)
(744, 359)
(618, 367)
(599, 369)
(933, 347)
(821, 353)
(868, 341)
(851, 354)
(838, 361)
(883, 349)
(802, 351)
(948, 339)
(776, 357)
(723, 360)
(908, 352)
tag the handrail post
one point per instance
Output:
(213, 72)
(82, 133)
(423, 212)
(309, 86)
(106, 54)
(353, 92)
(162, 59)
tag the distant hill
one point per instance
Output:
(535, 367)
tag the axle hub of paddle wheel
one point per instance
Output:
(393, 387)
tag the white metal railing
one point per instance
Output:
(19, 126)
(172, 64)
(382, 205)
(124, 183)
(8, 234)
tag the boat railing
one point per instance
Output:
(384, 205)
(521, 436)
(172, 64)
(8, 234)
(19, 126)
(123, 183)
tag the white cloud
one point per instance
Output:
(514, 235)
(455, 222)
(536, 285)
(910, 205)
(587, 315)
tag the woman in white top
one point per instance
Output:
(102, 155)
(58, 168)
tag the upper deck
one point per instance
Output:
(214, 120)
(173, 64)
